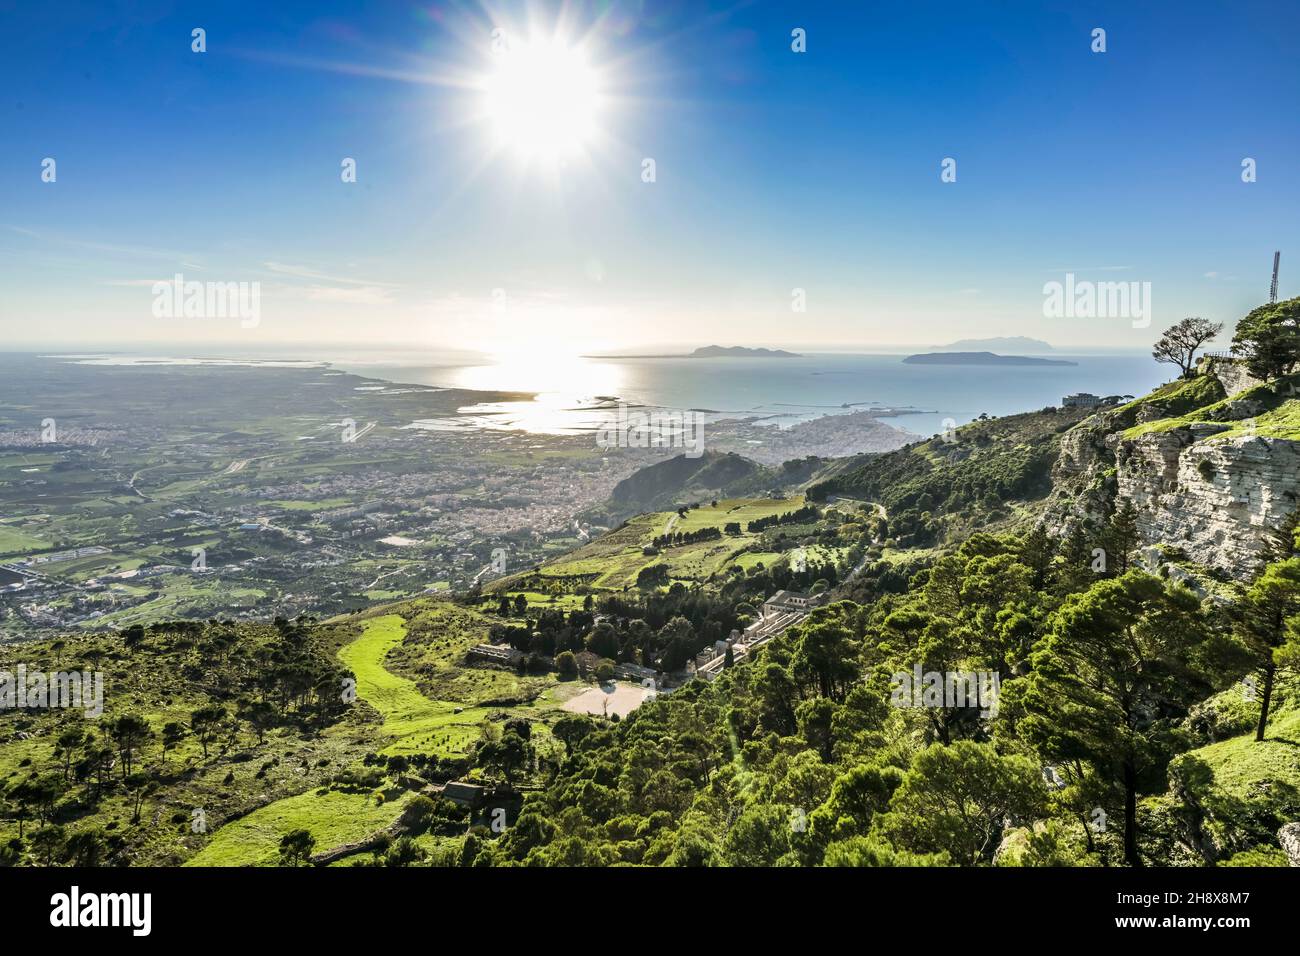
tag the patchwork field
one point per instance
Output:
(14, 541)
(613, 561)
(249, 463)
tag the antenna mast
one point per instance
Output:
(1272, 292)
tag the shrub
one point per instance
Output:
(567, 665)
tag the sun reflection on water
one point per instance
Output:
(572, 394)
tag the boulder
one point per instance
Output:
(1289, 837)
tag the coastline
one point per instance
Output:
(543, 397)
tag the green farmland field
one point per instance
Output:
(614, 560)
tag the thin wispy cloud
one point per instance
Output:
(360, 295)
(306, 272)
(184, 258)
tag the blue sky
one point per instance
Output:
(775, 170)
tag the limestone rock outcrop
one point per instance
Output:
(1216, 499)
(1203, 487)
(1289, 837)
(1231, 374)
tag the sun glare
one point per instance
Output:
(543, 99)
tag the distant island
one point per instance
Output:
(1013, 344)
(739, 351)
(714, 351)
(979, 358)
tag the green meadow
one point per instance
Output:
(333, 818)
(415, 723)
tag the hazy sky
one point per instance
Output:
(775, 171)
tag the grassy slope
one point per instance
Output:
(1195, 401)
(411, 722)
(416, 723)
(333, 817)
(1178, 397)
(439, 634)
(1242, 766)
(293, 768)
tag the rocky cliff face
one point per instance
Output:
(1213, 499)
(1232, 375)
(1201, 486)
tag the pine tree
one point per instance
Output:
(1266, 623)
(1117, 654)
(1121, 536)
(1284, 540)
(1037, 554)
(1076, 555)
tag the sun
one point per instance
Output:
(542, 99)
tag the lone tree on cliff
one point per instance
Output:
(1179, 343)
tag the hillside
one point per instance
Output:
(218, 739)
(938, 489)
(233, 743)
(692, 545)
(215, 718)
(831, 774)
(681, 480)
(1210, 463)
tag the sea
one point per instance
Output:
(569, 394)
